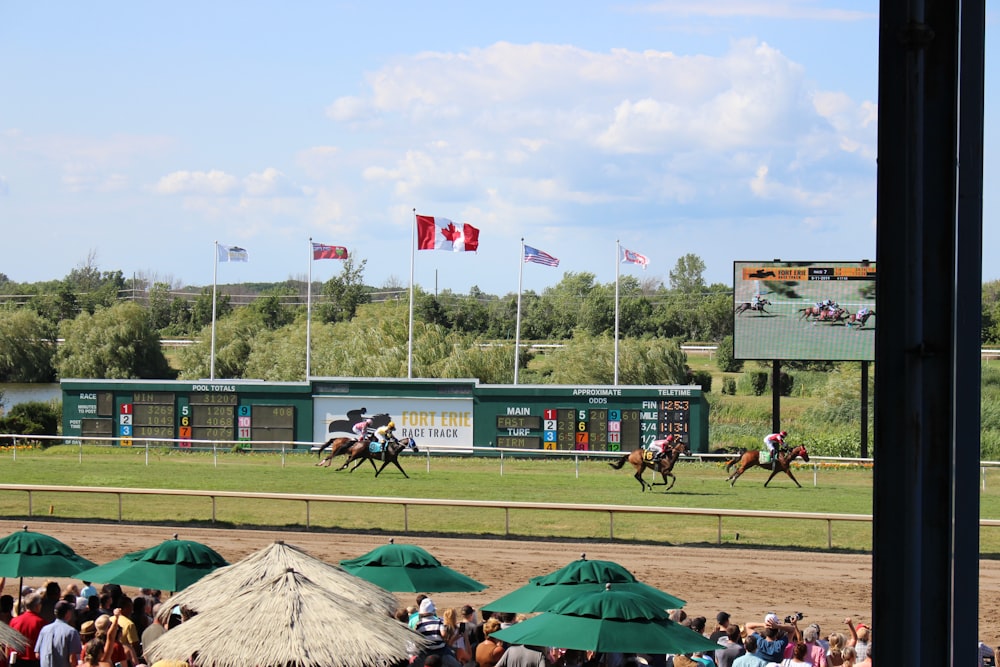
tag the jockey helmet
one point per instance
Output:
(669, 438)
(783, 434)
(391, 424)
(369, 421)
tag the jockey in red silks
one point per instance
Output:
(774, 442)
(659, 447)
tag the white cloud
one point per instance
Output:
(213, 182)
(270, 183)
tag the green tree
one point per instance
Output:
(27, 347)
(113, 343)
(344, 292)
(235, 337)
(271, 308)
(201, 313)
(687, 275)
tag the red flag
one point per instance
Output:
(322, 251)
(443, 234)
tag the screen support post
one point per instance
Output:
(775, 395)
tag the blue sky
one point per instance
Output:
(140, 133)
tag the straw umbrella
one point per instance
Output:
(288, 621)
(12, 638)
(265, 565)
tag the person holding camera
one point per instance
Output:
(773, 635)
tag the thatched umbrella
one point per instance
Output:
(12, 638)
(289, 621)
(267, 564)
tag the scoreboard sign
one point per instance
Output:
(181, 414)
(600, 419)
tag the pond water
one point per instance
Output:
(12, 394)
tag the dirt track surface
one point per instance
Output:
(825, 587)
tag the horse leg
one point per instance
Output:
(360, 460)
(638, 476)
(788, 471)
(395, 462)
(673, 479)
(732, 478)
(381, 467)
(371, 459)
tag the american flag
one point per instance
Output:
(538, 257)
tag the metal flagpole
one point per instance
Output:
(413, 252)
(517, 327)
(618, 258)
(309, 300)
(215, 282)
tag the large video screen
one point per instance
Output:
(804, 311)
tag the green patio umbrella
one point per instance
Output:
(579, 577)
(28, 554)
(171, 565)
(608, 621)
(408, 568)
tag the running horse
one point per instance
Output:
(360, 452)
(853, 320)
(782, 463)
(340, 444)
(815, 314)
(747, 305)
(642, 459)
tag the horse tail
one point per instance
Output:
(324, 446)
(619, 462)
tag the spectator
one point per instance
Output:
(6, 608)
(834, 656)
(50, 597)
(58, 642)
(432, 628)
(771, 644)
(750, 658)
(523, 656)
(490, 650)
(128, 633)
(860, 638)
(154, 631)
(108, 631)
(850, 656)
(29, 623)
(721, 626)
(732, 647)
(815, 653)
(798, 657)
(87, 590)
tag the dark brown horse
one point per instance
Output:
(642, 459)
(338, 445)
(758, 306)
(782, 463)
(389, 453)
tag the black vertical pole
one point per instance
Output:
(864, 409)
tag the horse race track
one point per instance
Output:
(781, 334)
(826, 587)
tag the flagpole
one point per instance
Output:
(618, 256)
(309, 300)
(517, 328)
(215, 283)
(409, 342)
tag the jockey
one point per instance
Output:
(386, 433)
(775, 442)
(659, 447)
(863, 312)
(363, 430)
(755, 302)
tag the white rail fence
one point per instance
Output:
(406, 503)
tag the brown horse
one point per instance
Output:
(853, 319)
(783, 463)
(389, 453)
(642, 459)
(815, 314)
(338, 446)
(759, 306)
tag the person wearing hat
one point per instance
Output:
(860, 637)
(775, 637)
(58, 642)
(431, 627)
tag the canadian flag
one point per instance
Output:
(443, 234)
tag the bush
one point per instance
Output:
(752, 382)
(729, 386)
(785, 383)
(724, 357)
(703, 378)
(32, 418)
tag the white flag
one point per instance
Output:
(233, 253)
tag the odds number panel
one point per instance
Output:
(619, 425)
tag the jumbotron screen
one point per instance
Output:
(804, 311)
